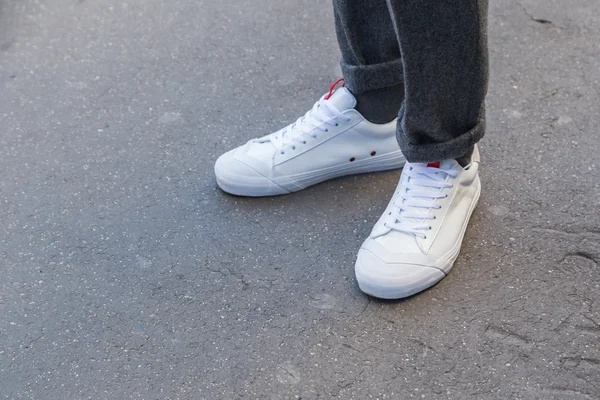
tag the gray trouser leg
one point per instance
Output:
(438, 49)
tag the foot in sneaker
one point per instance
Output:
(416, 241)
(331, 140)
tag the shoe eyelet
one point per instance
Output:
(282, 152)
(425, 237)
(429, 228)
(434, 217)
(304, 142)
(294, 148)
(327, 130)
(336, 124)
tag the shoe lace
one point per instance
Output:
(322, 116)
(417, 197)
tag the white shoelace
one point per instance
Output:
(321, 117)
(417, 197)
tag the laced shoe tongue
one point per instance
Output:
(342, 99)
(446, 164)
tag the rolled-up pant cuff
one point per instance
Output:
(454, 148)
(362, 78)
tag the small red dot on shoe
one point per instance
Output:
(352, 159)
(373, 153)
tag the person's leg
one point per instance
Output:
(445, 59)
(444, 54)
(371, 62)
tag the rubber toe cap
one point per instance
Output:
(392, 280)
(236, 177)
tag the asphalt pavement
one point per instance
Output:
(125, 273)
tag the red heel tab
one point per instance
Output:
(332, 88)
(435, 164)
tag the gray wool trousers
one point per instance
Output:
(428, 56)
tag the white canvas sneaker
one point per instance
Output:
(331, 140)
(417, 239)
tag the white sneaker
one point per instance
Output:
(331, 140)
(417, 239)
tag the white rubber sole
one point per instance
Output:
(386, 289)
(260, 186)
(253, 187)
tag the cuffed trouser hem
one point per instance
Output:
(454, 148)
(361, 78)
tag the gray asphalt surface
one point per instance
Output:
(126, 274)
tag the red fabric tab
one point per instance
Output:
(435, 164)
(333, 87)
